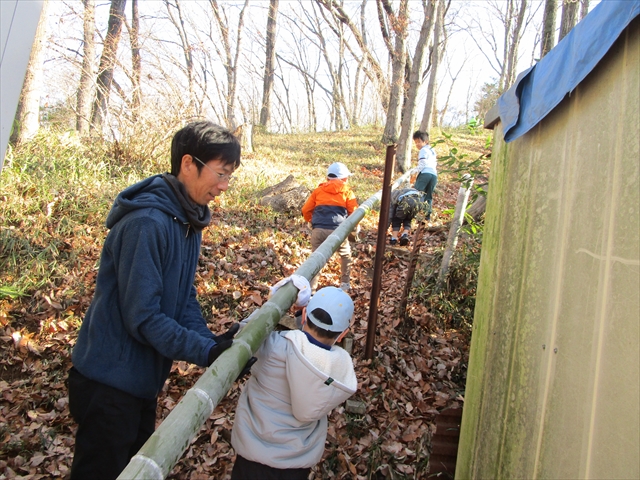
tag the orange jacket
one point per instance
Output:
(329, 204)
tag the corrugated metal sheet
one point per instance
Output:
(444, 444)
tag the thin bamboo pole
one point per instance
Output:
(164, 448)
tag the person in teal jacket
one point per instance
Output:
(144, 313)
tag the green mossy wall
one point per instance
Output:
(553, 382)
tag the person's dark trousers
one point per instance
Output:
(244, 469)
(396, 223)
(112, 426)
(426, 182)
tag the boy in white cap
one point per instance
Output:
(281, 422)
(326, 208)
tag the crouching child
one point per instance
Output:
(281, 420)
(405, 205)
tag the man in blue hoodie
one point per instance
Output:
(144, 313)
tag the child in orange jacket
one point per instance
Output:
(327, 207)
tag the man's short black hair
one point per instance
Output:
(206, 141)
(325, 318)
(419, 134)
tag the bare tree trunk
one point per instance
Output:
(285, 103)
(512, 58)
(357, 98)
(399, 24)
(403, 152)
(335, 73)
(454, 79)
(317, 25)
(244, 134)
(83, 105)
(427, 117)
(340, 105)
(107, 62)
(233, 81)
(27, 119)
(514, 17)
(584, 8)
(548, 26)
(306, 67)
(136, 60)
(375, 73)
(229, 60)
(186, 51)
(265, 112)
(507, 21)
(569, 17)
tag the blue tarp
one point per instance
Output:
(539, 89)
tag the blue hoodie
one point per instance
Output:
(144, 313)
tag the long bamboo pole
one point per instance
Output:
(164, 448)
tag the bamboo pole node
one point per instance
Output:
(155, 468)
(274, 305)
(205, 396)
(320, 254)
(242, 342)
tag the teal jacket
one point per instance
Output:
(144, 313)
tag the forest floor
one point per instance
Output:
(49, 249)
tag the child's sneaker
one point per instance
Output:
(393, 241)
(404, 239)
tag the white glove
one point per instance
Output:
(301, 283)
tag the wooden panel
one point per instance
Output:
(553, 382)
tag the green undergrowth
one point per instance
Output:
(452, 304)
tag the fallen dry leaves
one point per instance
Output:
(417, 371)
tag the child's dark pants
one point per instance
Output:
(245, 469)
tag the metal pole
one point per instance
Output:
(380, 248)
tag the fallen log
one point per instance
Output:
(288, 196)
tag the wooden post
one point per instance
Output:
(456, 223)
(413, 260)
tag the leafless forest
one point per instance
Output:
(121, 68)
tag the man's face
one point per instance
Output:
(419, 143)
(204, 185)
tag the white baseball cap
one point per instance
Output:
(338, 169)
(336, 303)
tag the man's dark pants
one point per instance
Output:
(112, 426)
